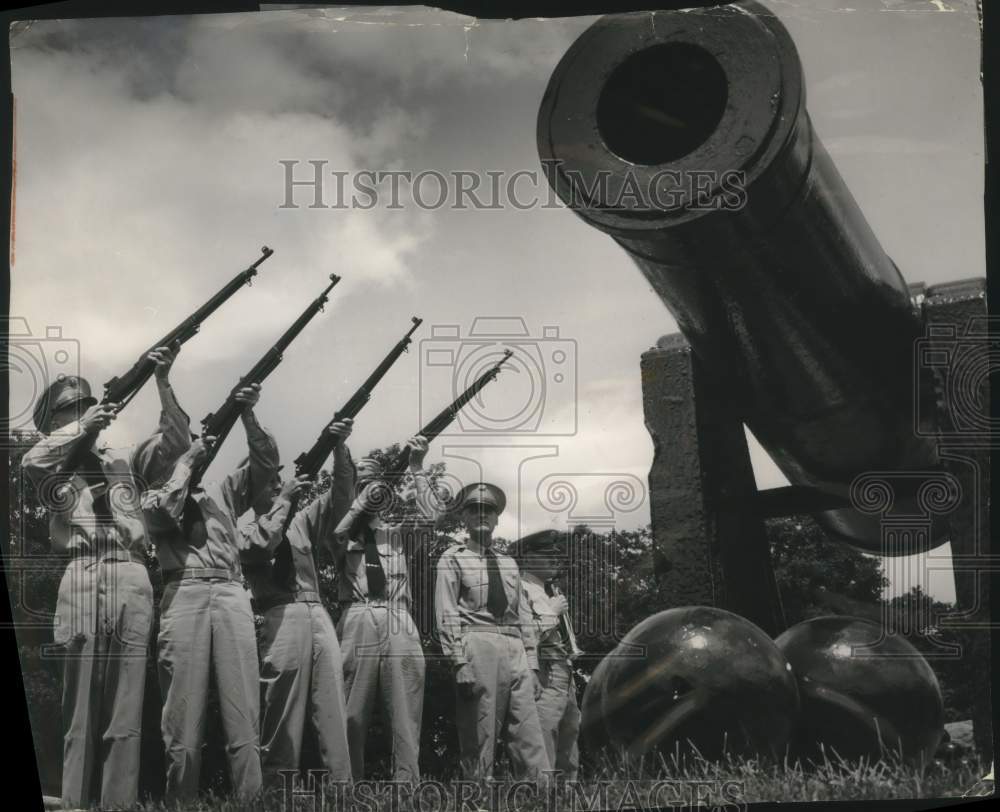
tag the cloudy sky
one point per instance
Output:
(148, 172)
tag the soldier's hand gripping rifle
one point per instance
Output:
(120, 390)
(398, 466)
(218, 424)
(309, 463)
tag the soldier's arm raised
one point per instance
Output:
(265, 532)
(154, 457)
(324, 514)
(426, 498)
(163, 507)
(52, 451)
(244, 486)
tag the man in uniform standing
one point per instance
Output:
(104, 607)
(383, 657)
(485, 630)
(302, 671)
(206, 623)
(541, 556)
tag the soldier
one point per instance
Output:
(302, 671)
(206, 623)
(383, 657)
(105, 602)
(485, 630)
(540, 557)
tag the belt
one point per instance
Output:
(396, 604)
(199, 573)
(510, 631)
(305, 596)
(124, 556)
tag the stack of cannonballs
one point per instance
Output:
(703, 677)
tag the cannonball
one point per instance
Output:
(865, 692)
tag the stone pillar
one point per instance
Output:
(706, 528)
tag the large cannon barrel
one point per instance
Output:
(684, 135)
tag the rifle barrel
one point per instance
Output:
(220, 423)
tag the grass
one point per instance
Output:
(672, 781)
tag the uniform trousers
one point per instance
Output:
(103, 616)
(559, 717)
(302, 677)
(207, 629)
(383, 662)
(500, 706)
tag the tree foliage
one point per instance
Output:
(808, 566)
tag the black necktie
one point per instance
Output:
(192, 519)
(93, 473)
(496, 598)
(373, 566)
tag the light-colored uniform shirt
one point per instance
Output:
(311, 528)
(547, 628)
(74, 525)
(460, 600)
(213, 543)
(395, 545)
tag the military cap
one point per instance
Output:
(480, 493)
(64, 392)
(544, 542)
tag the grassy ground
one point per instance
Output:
(668, 783)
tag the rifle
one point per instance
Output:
(218, 424)
(310, 462)
(398, 466)
(122, 389)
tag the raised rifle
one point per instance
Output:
(120, 390)
(219, 423)
(310, 462)
(398, 466)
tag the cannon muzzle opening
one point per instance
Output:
(662, 103)
(684, 135)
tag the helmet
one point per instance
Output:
(697, 675)
(864, 691)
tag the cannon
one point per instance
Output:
(744, 228)
(684, 136)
